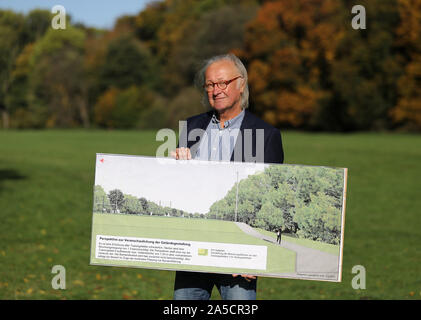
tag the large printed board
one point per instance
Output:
(274, 220)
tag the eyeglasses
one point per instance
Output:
(221, 84)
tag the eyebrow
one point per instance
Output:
(218, 79)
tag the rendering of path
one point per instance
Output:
(310, 263)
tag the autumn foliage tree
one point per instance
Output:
(289, 49)
(407, 112)
(308, 67)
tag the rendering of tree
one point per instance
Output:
(303, 201)
(131, 205)
(144, 206)
(101, 200)
(116, 198)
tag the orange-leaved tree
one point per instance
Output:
(407, 112)
(289, 48)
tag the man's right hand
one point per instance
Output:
(181, 154)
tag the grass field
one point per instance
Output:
(46, 190)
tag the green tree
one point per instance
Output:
(116, 198)
(12, 41)
(221, 210)
(101, 201)
(127, 63)
(144, 205)
(22, 114)
(218, 29)
(319, 220)
(131, 205)
(57, 79)
(149, 21)
(269, 217)
(407, 112)
(183, 105)
(133, 107)
(37, 23)
(365, 72)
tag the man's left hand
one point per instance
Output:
(245, 276)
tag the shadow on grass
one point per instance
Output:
(9, 174)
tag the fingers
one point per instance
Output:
(181, 154)
(246, 277)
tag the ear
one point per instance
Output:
(242, 85)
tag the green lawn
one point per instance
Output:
(46, 190)
(325, 247)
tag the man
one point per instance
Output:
(279, 235)
(227, 132)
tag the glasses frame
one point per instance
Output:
(219, 84)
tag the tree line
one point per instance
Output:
(119, 203)
(303, 201)
(308, 68)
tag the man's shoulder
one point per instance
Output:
(250, 121)
(253, 121)
(200, 116)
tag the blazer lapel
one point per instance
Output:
(201, 123)
(248, 123)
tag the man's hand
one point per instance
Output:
(245, 276)
(181, 154)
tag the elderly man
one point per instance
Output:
(227, 132)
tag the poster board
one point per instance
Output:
(219, 217)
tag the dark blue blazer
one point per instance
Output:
(273, 151)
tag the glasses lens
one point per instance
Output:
(222, 85)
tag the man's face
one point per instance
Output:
(228, 98)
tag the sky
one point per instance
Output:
(190, 185)
(92, 13)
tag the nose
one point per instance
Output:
(216, 90)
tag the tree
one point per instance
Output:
(58, 80)
(116, 198)
(127, 63)
(101, 201)
(12, 40)
(131, 205)
(286, 200)
(144, 205)
(407, 112)
(133, 107)
(149, 21)
(37, 23)
(221, 210)
(289, 48)
(365, 72)
(105, 107)
(319, 220)
(269, 217)
(183, 105)
(218, 30)
(22, 114)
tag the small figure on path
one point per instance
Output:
(279, 234)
